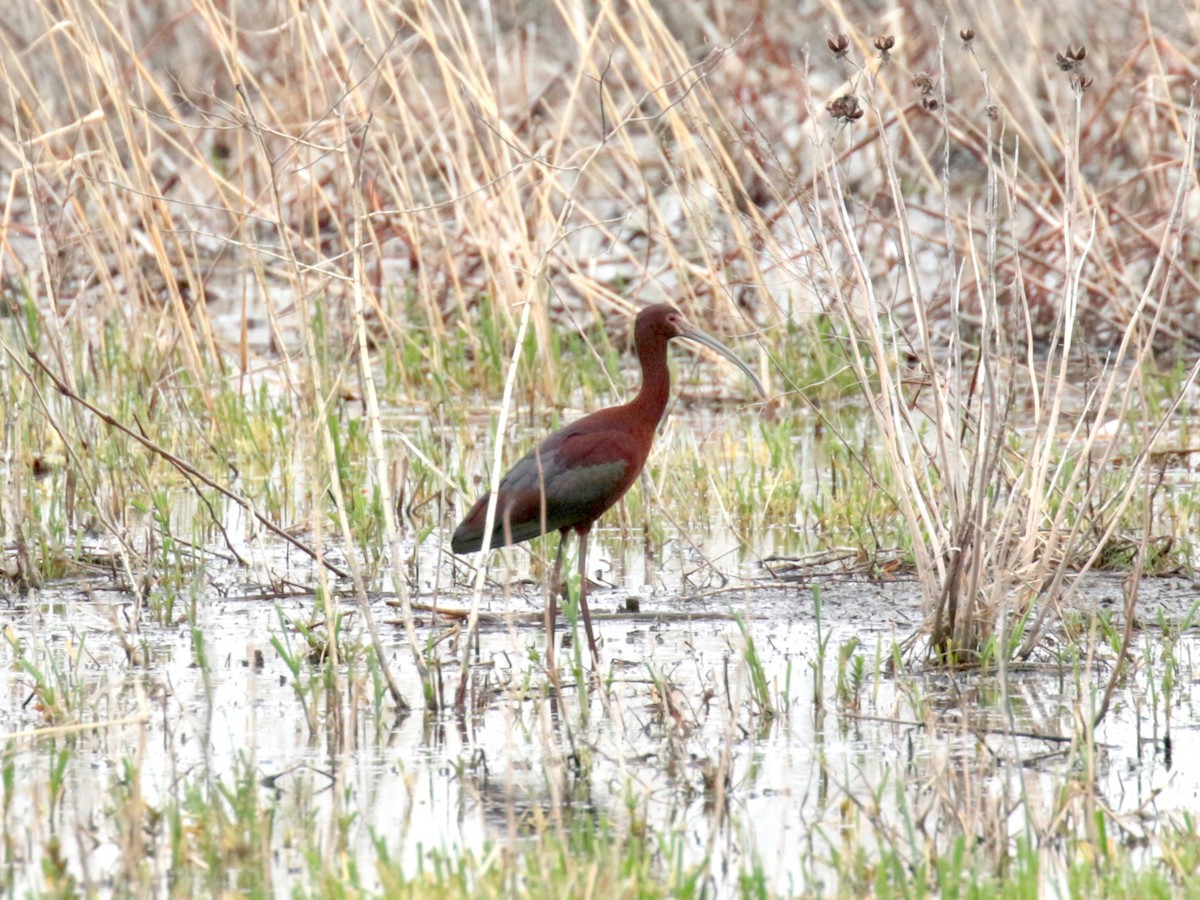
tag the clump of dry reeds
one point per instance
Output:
(1023, 438)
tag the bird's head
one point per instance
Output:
(661, 322)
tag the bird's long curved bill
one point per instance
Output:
(695, 334)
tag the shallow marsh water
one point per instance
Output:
(678, 747)
(204, 719)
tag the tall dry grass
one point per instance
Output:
(229, 198)
(278, 199)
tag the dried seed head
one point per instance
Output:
(924, 83)
(845, 109)
(1072, 59)
(884, 43)
(838, 45)
(967, 35)
(993, 112)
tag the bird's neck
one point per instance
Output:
(651, 400)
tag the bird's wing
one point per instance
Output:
(570, 479)
(582, 475)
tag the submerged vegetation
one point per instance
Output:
(275, 289)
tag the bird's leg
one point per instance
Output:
(583, 607)
(552, 604)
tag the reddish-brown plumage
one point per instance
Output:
(574, 476)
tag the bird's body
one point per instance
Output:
(585, 468)
(576, 474)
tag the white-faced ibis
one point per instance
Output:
(572, 477)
